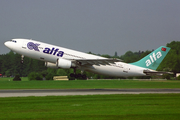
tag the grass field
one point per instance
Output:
(91, 84)
(90, 107)
(11, 79)
(96, 107)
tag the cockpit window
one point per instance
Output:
(13, 41)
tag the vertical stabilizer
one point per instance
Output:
(153, 60)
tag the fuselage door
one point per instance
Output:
(125, 68)
(24, 44)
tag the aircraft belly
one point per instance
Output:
(114, 71)
(106, 70)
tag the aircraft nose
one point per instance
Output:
(7, 44)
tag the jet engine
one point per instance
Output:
(50, 65)
(61, 63)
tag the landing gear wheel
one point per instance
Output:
(74, 76)
(84, 77)
(77, 76)
(71, 75)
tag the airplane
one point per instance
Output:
(60, 57)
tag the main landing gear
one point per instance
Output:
(78, 76)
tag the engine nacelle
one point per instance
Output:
(62, 63)
(50, 65)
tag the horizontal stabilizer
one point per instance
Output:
(149, 72)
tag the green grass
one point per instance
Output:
(11, 79)
(92, 107)
(90, 84)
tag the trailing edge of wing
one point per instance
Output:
(97, 61)
(148, 72)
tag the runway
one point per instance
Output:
(65, 92)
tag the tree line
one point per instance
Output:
(10, 64)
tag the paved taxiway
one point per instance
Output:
(64, 92)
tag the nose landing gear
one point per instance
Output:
(22, 59)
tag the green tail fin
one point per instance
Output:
(153, 60)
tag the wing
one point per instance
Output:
(96, 61)
(149, 72)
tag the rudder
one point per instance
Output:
(153, 60)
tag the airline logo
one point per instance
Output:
(32, 46)
(153, 57)
(53, 51)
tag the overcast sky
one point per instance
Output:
(99, 26)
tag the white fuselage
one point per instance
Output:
(118, 69)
